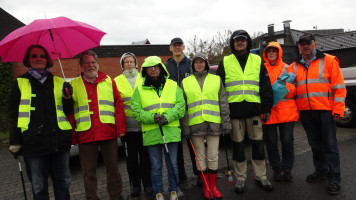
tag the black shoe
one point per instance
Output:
(287, 176)
(316, 177)
(148, 190)
(264, 184)
(277, 175)
(334, 188)
(135, 191)
(199, 183)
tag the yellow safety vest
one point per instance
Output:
(203, 105)
(153, 103)
(25, 104)
(106, 103)
(242, 85)
(126, 91)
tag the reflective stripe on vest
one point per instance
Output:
(126, 91)
(106, 103)
(242, 85)
(25, 104)
(203, 105)
(152, 103)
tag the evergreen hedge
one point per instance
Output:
(6, 80)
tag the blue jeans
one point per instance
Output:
(155, 153)
(39, 168)
(287, 142)
(321, 132)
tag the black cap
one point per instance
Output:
(175, 40)
(307, 37)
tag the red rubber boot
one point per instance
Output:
(212, 184)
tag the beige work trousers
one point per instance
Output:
(254, 133)
(211, 153)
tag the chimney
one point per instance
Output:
(286, 26)
(270, 29)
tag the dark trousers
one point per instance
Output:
(180, 160)
(137, 159)
(321, 132)
(287, 141)
(88, 153)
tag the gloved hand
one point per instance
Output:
(15, 150)
(157, 118)
(226, 131)
(67, 90)
(162, 120)
(265, 117)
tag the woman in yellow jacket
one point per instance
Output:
(283, 115)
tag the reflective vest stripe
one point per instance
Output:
(106, 102)
(108, 113)
(81, 108)
(207, 112)
(159, 105)
(240, 92)
(339, 99)
(302, 82)
(24, 114)
(246, 82)
(126, 99)
(205, 101)
(128, 107)
(315, 94)
(25, 102)
(82, 119)
(338, 86)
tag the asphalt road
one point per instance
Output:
(11, 187)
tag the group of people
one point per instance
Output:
(153, 109)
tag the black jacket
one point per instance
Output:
(246, 109)
(178, 71)
(43, 136)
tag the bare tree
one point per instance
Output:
(215, 49)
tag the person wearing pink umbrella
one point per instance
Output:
(38, 127)
(99, 121)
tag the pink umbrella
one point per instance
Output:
(61, 36)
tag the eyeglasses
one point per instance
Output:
(153, 67)
(92, 63)
(34, 56)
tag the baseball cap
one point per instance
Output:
(307, 37)
(175, 40)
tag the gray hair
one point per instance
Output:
(88, 53)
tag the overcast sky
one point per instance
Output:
(161, 20)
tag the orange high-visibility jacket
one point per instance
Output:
(286, 110)
(320, 86)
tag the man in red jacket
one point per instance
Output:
(99, 120)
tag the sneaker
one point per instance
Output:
(277, 175)
(173, 195)
(159, 196)
(334, 188)
(240, 186)
(287, 176)
(264, 184)
(316, 177)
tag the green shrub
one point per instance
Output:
(6, 79)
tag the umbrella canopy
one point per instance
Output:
(61, 36)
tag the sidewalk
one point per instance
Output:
(11, 187)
